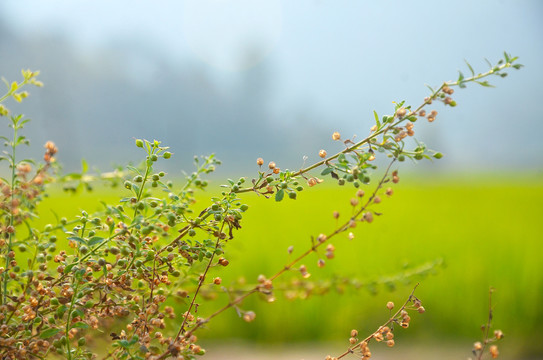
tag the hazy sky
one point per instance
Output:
(336, 61)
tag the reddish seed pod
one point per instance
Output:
(354, 333)
(321, 263)
(494, 351)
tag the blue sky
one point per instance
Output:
(335, 61)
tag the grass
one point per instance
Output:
(487, 230)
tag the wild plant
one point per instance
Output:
(135, 272)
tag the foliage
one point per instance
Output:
(122, 264)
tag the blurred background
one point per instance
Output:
(273, 79)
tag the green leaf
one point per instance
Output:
(470, 68)
(341, 158)
(279, 195)
(78, 239)
(377, 122)
(484, 83)
(80, 325)
(488, 62)
(47, 333)
(84, 166)
(326, 171)
(95, 240)
(69, 268)
(124, 343)
(506, 56)
(14, 86)
(460, 76)
(132, 168)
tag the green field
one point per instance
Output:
(487, 230)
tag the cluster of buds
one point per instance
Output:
(478, 347)
(384, 334)
(447, 99)
(330, 251)
(50, 151)
(304, 272)
(431, 116)
(265, 284)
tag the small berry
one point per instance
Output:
(322, 153)
(139, 143)
(354, 333)
(336, 136)
(249, 316)
(217, 281)
(271, 165)
(401, 112)
(167, 155)
(390, 343)
(259, 161)
(276, 170)
(390, 305)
